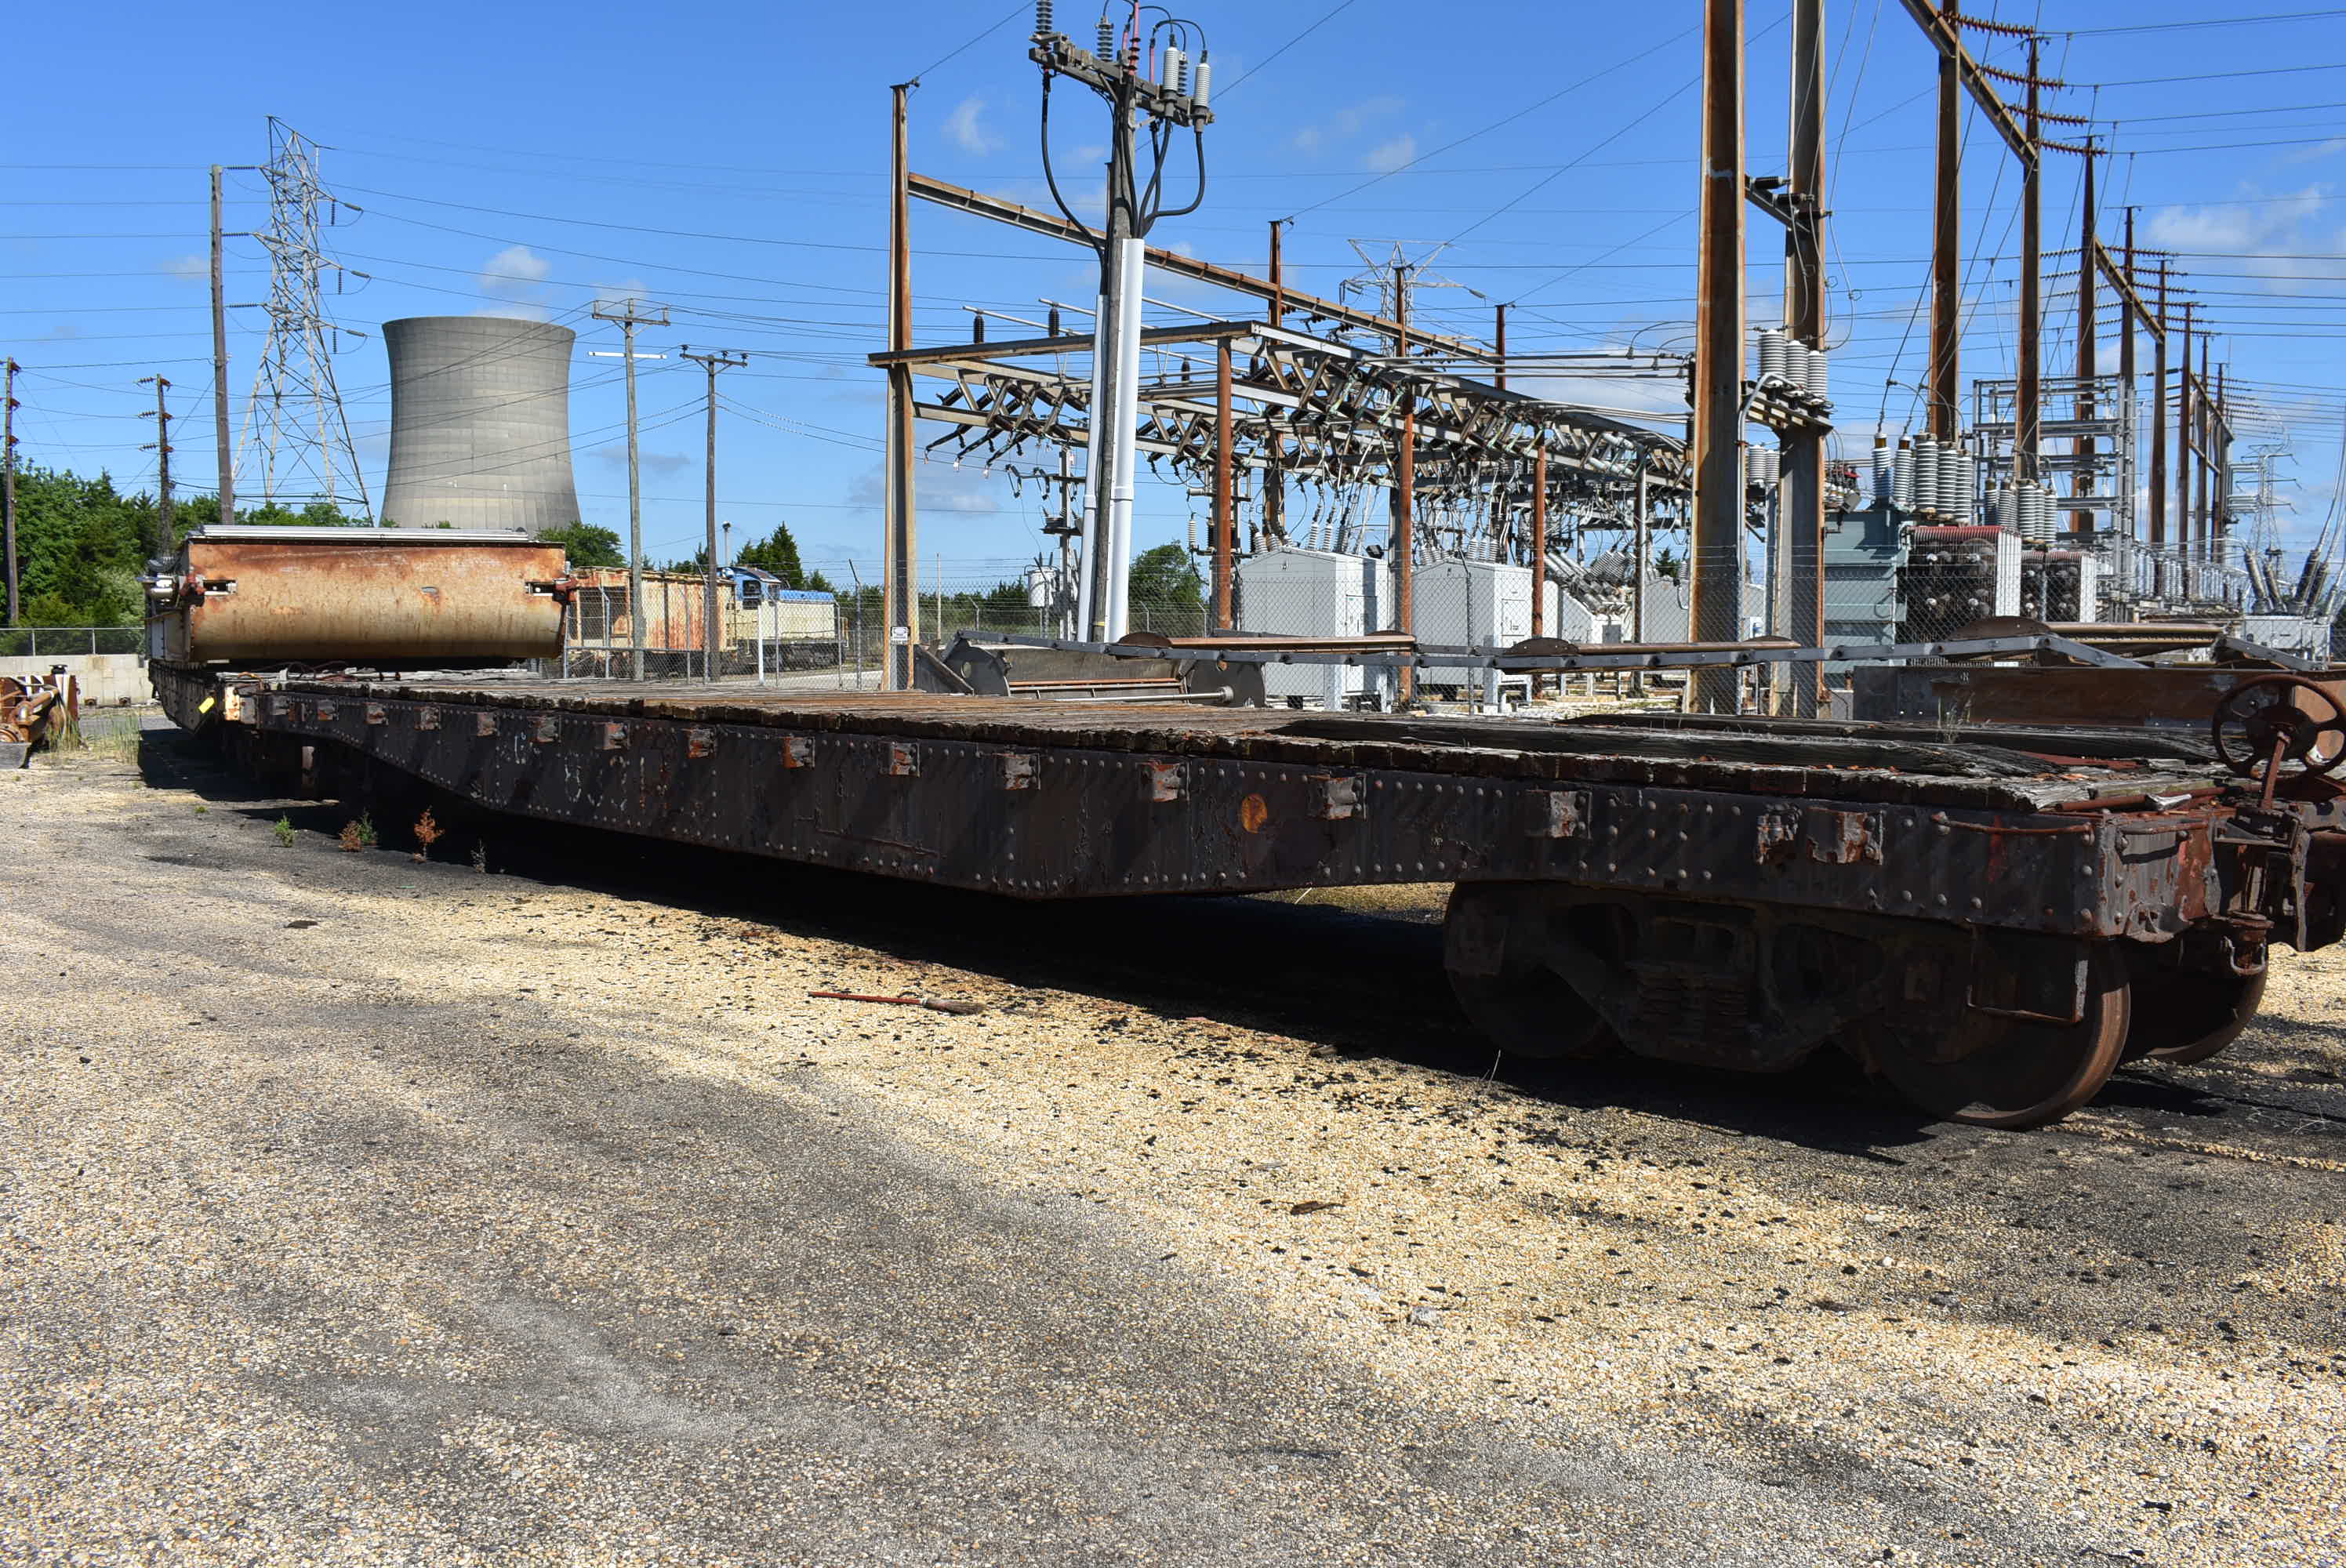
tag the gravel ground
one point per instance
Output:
(363, 1210)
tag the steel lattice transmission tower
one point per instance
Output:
(296, 414)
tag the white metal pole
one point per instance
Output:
(1126, 434)
(1095, 535)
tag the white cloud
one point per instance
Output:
(611, 296)
(514, 279)
(1386, 157)
(2258, 229)
(186, 266)
(937, 487)
(966, 129)
(1345, 123)
(515, 265)
(2237, 228)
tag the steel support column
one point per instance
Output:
(899, 552)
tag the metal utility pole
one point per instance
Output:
(1715, 535)
(2089, 344)
(631, 313)
(712, 635)
(2027, 419)
(223, 452)
(8, 480)
(1803, 500)
(1539, 551)
(900, 549)
(1643, 550)
(1403, 548)
(161, 447)
(1499, 348)
(2158, 417)
(1175, 49)
(1945, 404)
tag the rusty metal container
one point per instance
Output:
(383, 597)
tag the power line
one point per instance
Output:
(1505, 120)
(963, 48)
(2203, 22)
(1325, 17)
(2214, 75)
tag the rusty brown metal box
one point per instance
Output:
(255, 598)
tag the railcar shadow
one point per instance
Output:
(1363, 984)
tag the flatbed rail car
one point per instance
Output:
(1993, 926)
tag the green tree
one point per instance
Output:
(586, 545)
(81, 542)
(1166, 578)
(776, 553)
(79, 547)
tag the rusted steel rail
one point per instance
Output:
(1971, 918)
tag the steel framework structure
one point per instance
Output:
(297, 410)
(1308, 408)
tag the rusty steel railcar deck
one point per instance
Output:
(1040, 799)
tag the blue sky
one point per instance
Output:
(730, 160)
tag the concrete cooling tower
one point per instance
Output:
(480, 424)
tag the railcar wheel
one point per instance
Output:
(2000, 1072)
(1492, 937)
(2182, 1016)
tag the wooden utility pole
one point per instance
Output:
(713, 639)
(2183, 438)
(224, 452)
(1274, 484)
(2158, 417)
(1944, 26)
(2027, 416)
(1225, 520)
(1803, 495)
(2203, 412)
(2081, 483)
(161, 447)
(1715, 532)
(2127, 415)
(1499, 346)
(899, 552)
(631, 313)
(1944, 399)
(2220, 513)
(8, 482)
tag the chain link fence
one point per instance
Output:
(58, 642)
